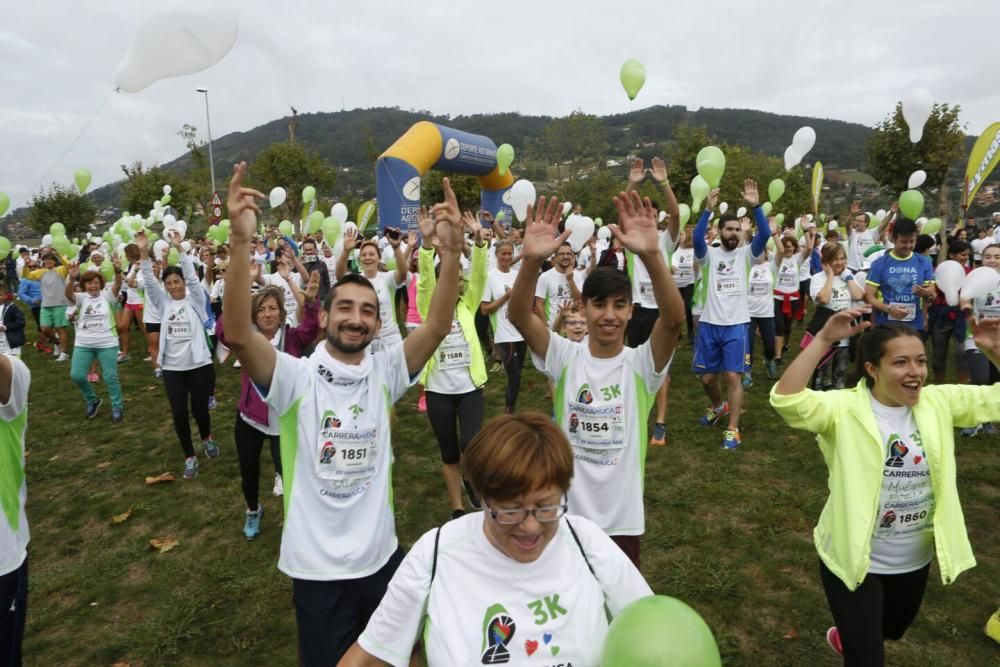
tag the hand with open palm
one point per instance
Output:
(637, 224)
(541, 230)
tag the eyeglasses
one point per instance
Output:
(514, 517)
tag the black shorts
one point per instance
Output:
(641, 325)
(152, 327)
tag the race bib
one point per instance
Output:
(727, 286)
(911, 311)
(93, 318)
(596, 427)
(178, 327)
(346, 455)
(840, 298)
(646, 297)
(788, 280)
(454, 351)
(760, 288)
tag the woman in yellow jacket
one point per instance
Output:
(455, 374)
(890, 450)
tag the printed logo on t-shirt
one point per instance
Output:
(724, 267)
(584, 396)
(498, 630)
(897, 450)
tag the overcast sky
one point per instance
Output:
(848, 60)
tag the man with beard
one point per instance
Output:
(558, 286)
(721, 344)
(313, 262)
(339, 541)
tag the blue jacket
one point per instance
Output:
(30, 292)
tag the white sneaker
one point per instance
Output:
(62, 357)
(279, 487)
(56, 351)
(237, 364)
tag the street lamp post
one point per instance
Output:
(208, 121)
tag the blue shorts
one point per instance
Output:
(720, 348)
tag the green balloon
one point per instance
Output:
(685, 212)
(711, 163)
(331, 231)
(699, 190)
(659, 630)
(62, 245)
(173, 257)
(911, 203)
(82, 178)
(165, 199)
(57, 229)
(505, 158)
(224, 224)
(775, 190)
(767, 207)
(315, 221)
(632, 76)
(4, 203)
(107, 236)
(598, 222)
(4, 246)
(286, 228)
(822, 217)
(770, 244)
(308, 194)
(932, 226)
(779, 219)
(107, 270)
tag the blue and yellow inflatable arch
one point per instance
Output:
(426, 146)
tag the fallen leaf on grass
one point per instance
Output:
(54, 457)
(122, 664)
(152, 387)
(123, 517)
(165, 477)
(791, 634)
(163, 545)
(104, 466)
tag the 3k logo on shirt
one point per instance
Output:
(499, 628)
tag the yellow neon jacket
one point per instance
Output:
(851, 444)
(465, 309)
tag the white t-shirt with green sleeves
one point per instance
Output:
(13, 489)
(486, 608)
(336, 452)
(95, 320)
(603, 407)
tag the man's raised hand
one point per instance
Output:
(241, 206)
(636, 172)
(750, 194)
(659, 171)
(636, 228)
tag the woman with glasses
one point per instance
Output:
(519, 578)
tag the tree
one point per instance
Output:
(892, 157)
(61, 204)
(575, 139)
(466, 189)
(144, 186)
(293, 167)
(200, 172)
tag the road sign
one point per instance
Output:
(216, 209)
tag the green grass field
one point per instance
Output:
(729, 532)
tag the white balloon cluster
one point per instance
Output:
(802, 143)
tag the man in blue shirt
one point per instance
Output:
(903, 277)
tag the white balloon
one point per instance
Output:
(159, 248)
(604, 233)
(949, 276)
(349, 225)
(917, 105)
(522, 195)
(176, 42)
(169, 220)
(917, 178)
(879, 214)
(792, 157)
(662, 216)
(46, 240)
(167, 189)
(979, 282)
(567, 207)
(832, 225)
(741, 212)
(723, 207)
(157, 205)
(186, 246)
(339, 211)
(581, 232)
(804, 140)
(809, 217)
(277, 197)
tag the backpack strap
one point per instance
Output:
(607, 612)
(434, 563)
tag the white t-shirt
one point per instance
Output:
(452, 374)
(385, 286)
(483, 607)
(553, 287)
(683, 262)
(787, 275)
(337, 454)
(13, 425)
(603, 407)
(182, 338)
(760, 299)
(986, 307)
(903, 539)
(726, 292)
(150, 313)
(857, 244)
(291, 304)
(95, 320)
(499, 283)
(642, 285)
(840, 295)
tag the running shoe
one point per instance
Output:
(147, 358)
(93, 377)
(659, 438)
(989, 428)
(157, 373)
(42, 347)
(92, 407)
(422, 403)
(772, 369)
(972, 431)
(747, 380)
(62, 357)
(212, 403)
(237, 364)
(279, 486)
(122, 357)
(833, 639)
(55, 350)
(731, 438)
(497, 367)
(191, 467)
(713, 415)
(779, 362)
(117, 415)
(992, 628)
(211, 449)
(469, 491)
(251, 527)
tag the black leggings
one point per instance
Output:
(198, 383)
(249, 443)
(881, 608)
(511, 355)
(687, 293)
(13, 610)
(442, 410)
(765, 326)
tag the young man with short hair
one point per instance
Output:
(603, 389)
(903, 277)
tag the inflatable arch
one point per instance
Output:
(426, 146)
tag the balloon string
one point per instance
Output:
(66, 152)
